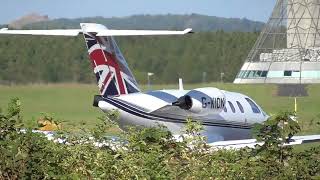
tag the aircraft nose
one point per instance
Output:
(265, 115)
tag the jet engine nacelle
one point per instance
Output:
(202, 101)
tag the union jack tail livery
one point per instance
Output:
(111, 69)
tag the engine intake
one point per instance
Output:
(184, 102)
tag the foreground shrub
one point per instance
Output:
(150, 153)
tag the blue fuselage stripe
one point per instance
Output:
(134, 111)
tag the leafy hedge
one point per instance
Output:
(150, 153)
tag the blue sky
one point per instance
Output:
(252, 9)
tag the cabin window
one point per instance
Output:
(232, 107)
(225, 109)
(254, 107)
(240, 107)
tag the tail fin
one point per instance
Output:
(111, 69)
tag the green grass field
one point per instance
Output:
(72, 103)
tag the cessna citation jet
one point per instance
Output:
(227, 116)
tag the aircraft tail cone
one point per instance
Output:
(96, 100)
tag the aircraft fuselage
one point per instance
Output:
(155, 107)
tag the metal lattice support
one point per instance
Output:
(290, 39)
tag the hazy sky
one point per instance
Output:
(252, 9)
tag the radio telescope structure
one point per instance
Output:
(288, 48)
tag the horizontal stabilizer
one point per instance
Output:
(57, 32)
(228, 145)
(141, 32)
(251, 143)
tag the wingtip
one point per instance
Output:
(188, 31)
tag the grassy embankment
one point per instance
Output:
(72, 103)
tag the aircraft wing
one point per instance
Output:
(103, 32)
(251, 143)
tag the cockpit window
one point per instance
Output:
(254, 107)
(240, 107)
(232, 107)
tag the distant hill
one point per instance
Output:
(195, 21)
(28, 19)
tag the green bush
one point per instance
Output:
(150, 153)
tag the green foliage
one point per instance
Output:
(275, 133)
(192, 135)
(11, 120)
(105, 123)
(150, 153)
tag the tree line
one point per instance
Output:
(29, 59)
